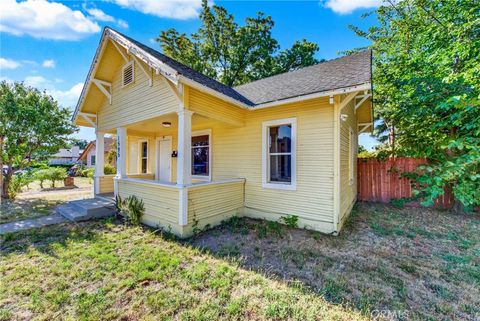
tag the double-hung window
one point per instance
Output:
(144, 157)
(92, 160)
(279, 154)
(201, 154)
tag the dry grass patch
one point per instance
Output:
(416, 264)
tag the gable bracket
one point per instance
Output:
(148, 73)
(120, 51)
(87, 118)
(101, 85)
(347, 99)
(362, 100)
(363, 127)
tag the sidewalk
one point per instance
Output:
(31, 223)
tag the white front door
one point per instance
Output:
(164, 159)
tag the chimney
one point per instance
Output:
(75, 151)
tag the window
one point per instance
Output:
(144, 157)
(351, 156)
(279, 154)
(92, 160)
(128, 74)
(201, 155)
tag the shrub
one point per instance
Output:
(89, 172)
(133, 209)
(56, 174)
(41, 175)
(109, 169)
(15, 186)
(290, 220)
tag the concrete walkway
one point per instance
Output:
(31, 223)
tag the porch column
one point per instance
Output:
(121, 152)
(99, 160)
(184, 163)
(184, 157)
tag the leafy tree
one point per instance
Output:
(81, 143)
(31, 123)
(427, 90)
(235, 54)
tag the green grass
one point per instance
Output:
(103, 271)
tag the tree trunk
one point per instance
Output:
(8, 179)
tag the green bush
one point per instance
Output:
(132, 208)
(56, 174)
(290, 220)
(18, 182)
(109, 169)
(41, 175)
(89, 172)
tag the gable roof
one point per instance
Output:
(341, 75)
(338, 73)
(107, 146)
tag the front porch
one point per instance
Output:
(167, 162)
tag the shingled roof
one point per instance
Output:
(334, 74)
(338, 73)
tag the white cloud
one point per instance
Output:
(37, 81)
(67, 98)
(348, 6)
(175, 9)
(9, 63)
(49, 63)
(99, 15)
(43, 19)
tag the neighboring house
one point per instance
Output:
(87, 158)
(197, 151)
(65, 156)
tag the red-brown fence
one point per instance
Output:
(381, 181)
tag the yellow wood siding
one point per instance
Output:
(136, 102)
(237, 152)
(215, 108)
(206, 202)
(348, 190)
(161, 202)
(106, 184)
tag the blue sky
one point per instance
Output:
(50, 45)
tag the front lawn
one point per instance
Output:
(103, 271)
(403, 264)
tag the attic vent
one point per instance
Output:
(128, 74)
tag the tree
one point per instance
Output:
(235, 54)
(31, 123)
(427, 90)
(81, 143)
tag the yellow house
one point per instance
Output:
(197, 152)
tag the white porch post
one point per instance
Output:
(121, 152)
(184, 162)
(99, 161)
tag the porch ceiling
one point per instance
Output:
(153, 126)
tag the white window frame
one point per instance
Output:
(140, 156)
(202, 133)
(123, 73)
(266, 154)
(351, 156)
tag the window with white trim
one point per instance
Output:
(144, 156)
(201, 154)
(128, 74)
(351, 155)
(279, 154)
(92, 160)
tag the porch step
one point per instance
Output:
(87, 209)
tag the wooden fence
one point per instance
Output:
(381, 181)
